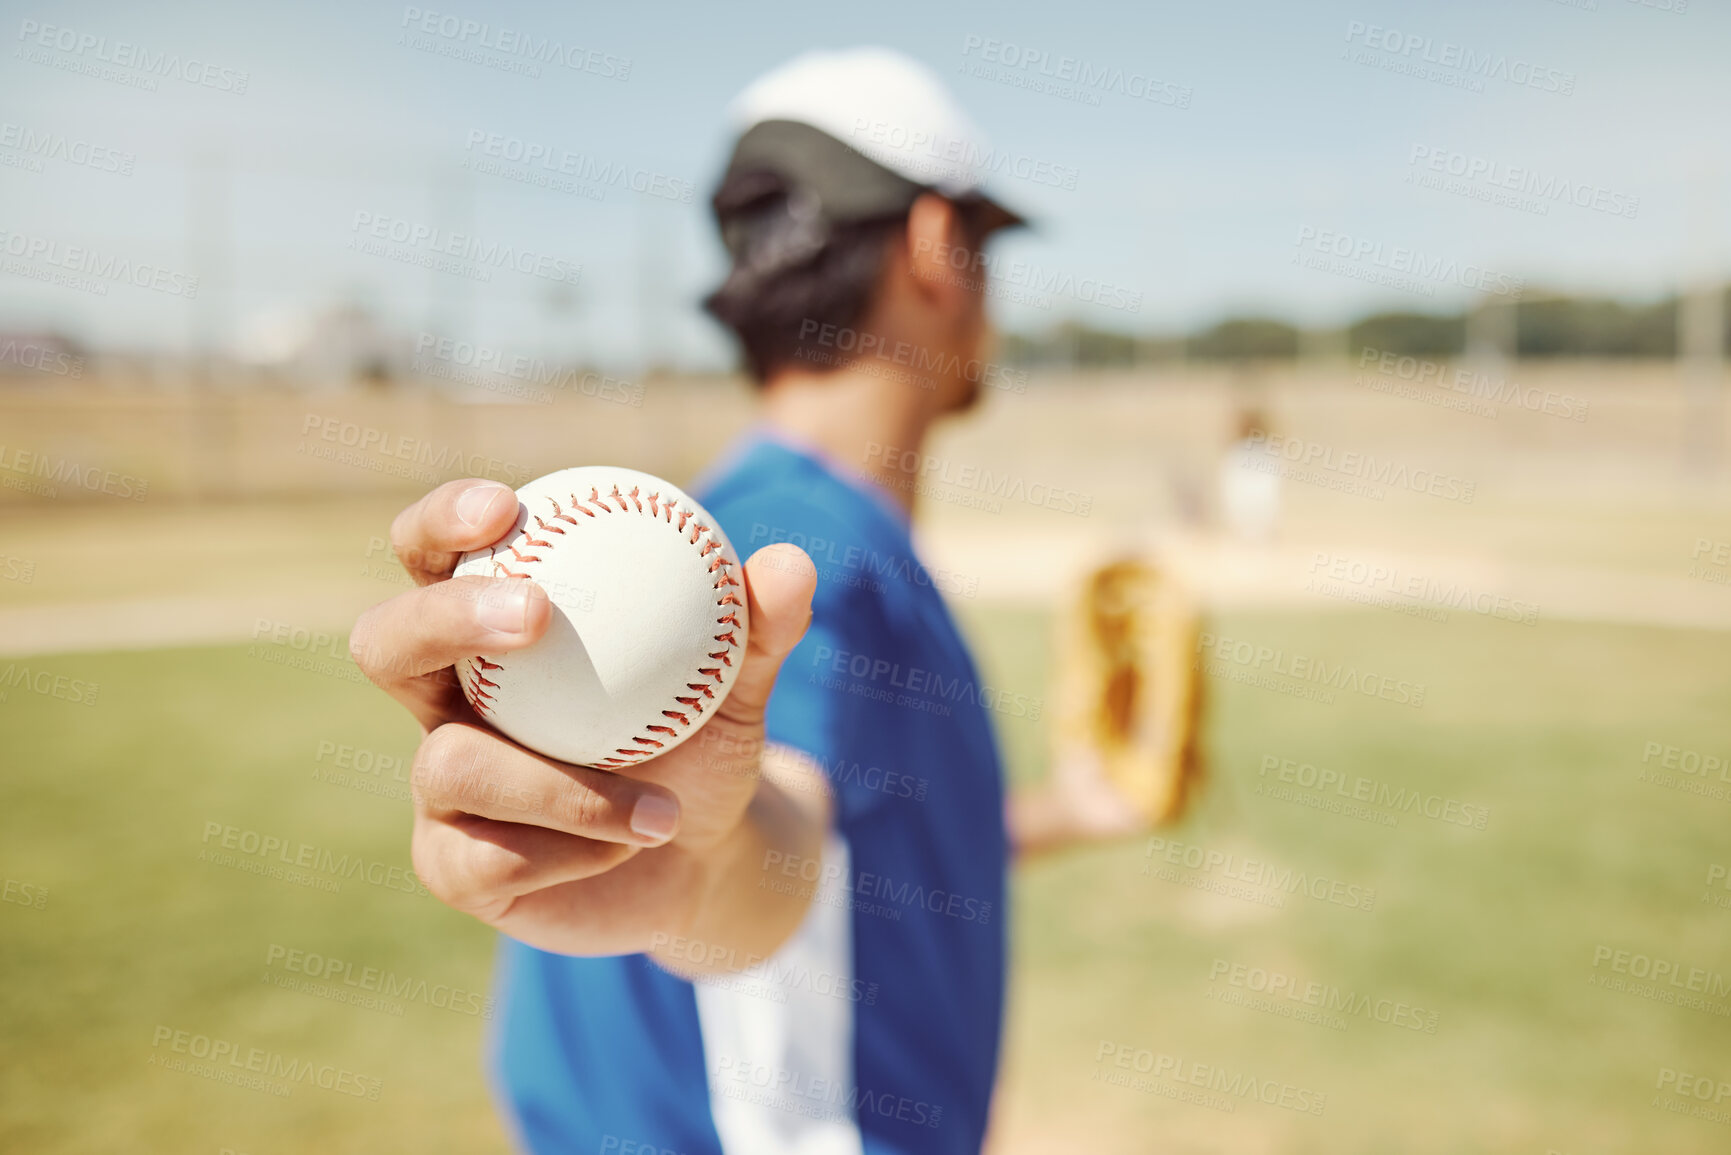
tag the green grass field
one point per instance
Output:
(121, 928)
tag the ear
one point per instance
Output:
(946, 273)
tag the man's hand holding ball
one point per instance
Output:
(602, 616)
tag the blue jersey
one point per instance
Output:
(875, 1029)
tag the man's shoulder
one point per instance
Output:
(772, 494)
(866, 569)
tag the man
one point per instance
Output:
(787, 935)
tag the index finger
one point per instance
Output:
(459, 516)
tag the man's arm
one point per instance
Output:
(1076, 806)
(569, 858)
(743, 906)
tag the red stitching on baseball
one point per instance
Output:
(481, 700)
(663, 511)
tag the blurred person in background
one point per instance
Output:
(1250, 481)
(788, 934)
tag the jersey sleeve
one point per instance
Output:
(811, 709)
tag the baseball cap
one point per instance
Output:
(856, 135)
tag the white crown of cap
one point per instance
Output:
(879, 102)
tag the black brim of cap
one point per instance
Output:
(848, 185)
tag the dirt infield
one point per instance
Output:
(132, 520)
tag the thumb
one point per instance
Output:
(779, 583)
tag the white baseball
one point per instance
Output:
(649, 618)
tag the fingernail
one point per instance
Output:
(504, 608)
(474, 504)
(655, 818)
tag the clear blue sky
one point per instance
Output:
(1196, 209)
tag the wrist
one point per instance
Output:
(735, 914)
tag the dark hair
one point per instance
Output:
(794, 273)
